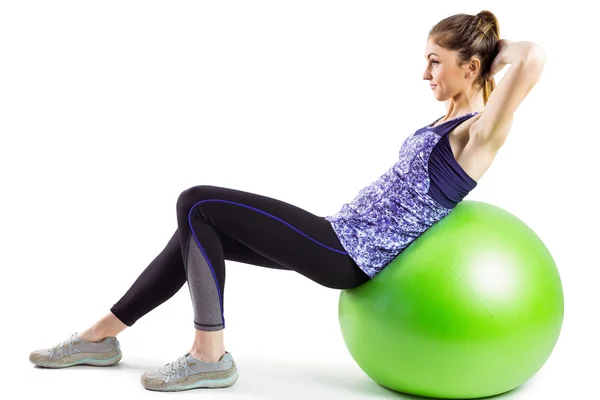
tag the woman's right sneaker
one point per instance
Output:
(76, 351)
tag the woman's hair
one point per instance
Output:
(471, 35)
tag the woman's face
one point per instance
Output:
(442, 71)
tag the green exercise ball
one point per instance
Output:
(472, 308)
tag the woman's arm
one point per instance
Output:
(527, 63)
(512, 52)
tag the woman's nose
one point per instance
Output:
(426, 74)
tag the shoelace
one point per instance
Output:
(62, 346)
(173, 367)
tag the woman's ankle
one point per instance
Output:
(92, 335)
(108, 326)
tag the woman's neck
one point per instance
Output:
(460, 105)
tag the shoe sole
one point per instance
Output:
(96, 362)
(204, 384)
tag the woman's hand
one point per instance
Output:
(499, 62)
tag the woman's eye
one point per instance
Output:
(434, 62)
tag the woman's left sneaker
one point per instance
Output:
(188, 372)
(76, 351)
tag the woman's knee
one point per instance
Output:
(191, 196)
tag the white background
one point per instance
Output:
(109, 110)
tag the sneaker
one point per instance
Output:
(76, 351)
(188, 372)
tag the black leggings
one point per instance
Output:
(217, 224)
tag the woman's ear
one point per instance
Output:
(472, 67)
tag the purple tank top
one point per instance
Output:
(420, 189)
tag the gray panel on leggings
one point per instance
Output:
(203, 288)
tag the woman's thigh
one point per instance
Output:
(264, 231)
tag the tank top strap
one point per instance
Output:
(445, 127)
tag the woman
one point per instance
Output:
(438, 166)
